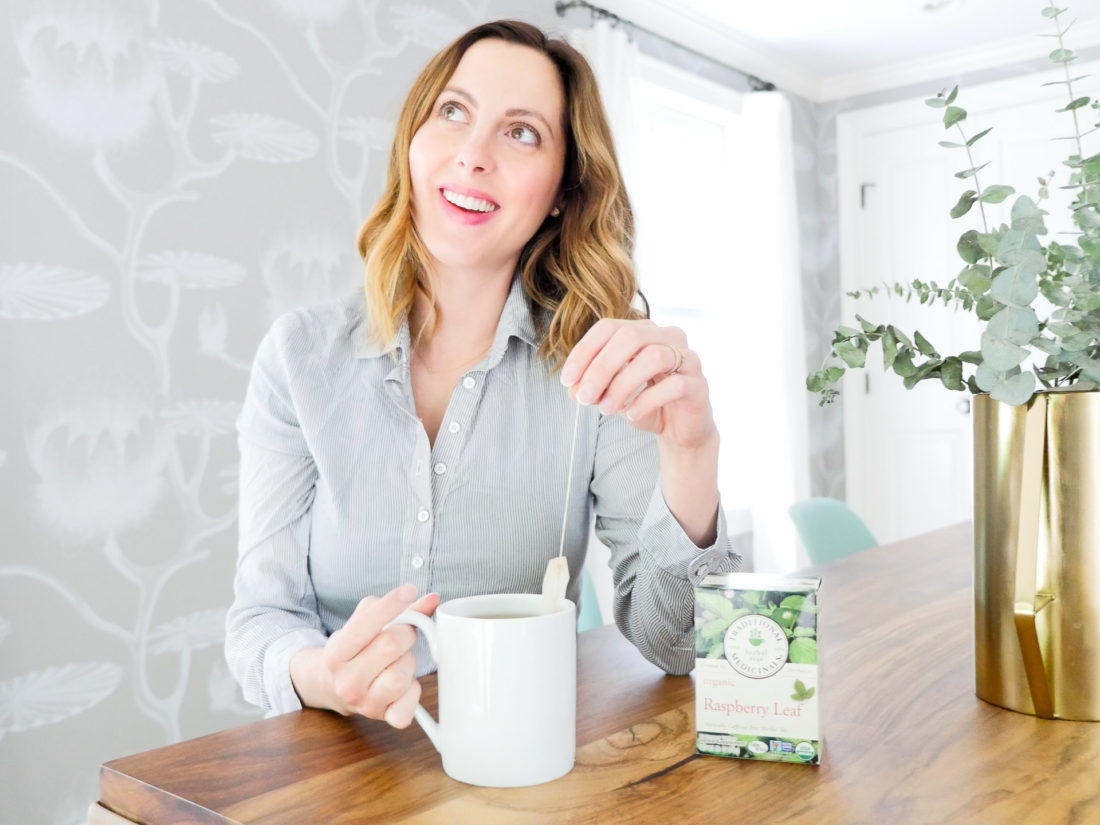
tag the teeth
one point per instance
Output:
(474, 204)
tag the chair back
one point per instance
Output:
(589, 616)
(829, 529)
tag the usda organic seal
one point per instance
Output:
(756, 646)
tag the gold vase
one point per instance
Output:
(1037, 554)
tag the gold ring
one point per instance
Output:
(679, 355)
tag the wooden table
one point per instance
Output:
(906, 740)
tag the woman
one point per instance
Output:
(419, 440)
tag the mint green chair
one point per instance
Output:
(589, 607)
(830, 529)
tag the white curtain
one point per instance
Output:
(614, 60)
(613, 57)
(773, 444)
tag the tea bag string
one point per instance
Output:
(569, 479)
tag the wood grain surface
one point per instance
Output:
(905, 739)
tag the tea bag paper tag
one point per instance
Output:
(554, 583)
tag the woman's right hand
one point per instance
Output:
(366, 668)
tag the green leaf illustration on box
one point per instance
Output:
(803, 651)
(801, 692)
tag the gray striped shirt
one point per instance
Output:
(343, 497)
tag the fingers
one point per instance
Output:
(370, 616)
(401, 712)
(426, 604)
(618, 359)
(371, 666)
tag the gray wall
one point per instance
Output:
(172, 176)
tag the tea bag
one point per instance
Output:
(556, 578)
(554, 582)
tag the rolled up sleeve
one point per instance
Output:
(274, 611)
(655, 565)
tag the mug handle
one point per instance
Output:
(428, 628)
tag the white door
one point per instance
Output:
(909, 452)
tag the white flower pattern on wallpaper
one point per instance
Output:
(426, 26)
(45, 697)
(308, 265)
(264, 137)
(311, 11)
(100, 465)
(366, 131)
(89, 78)
(194, 60)
(193, 632)
(190, 270)
(47, 293)
(202, 418)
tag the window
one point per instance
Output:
(686, 200)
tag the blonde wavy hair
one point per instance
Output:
(576, 269)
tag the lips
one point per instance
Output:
(467, 206)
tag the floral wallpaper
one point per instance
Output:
(173, 176)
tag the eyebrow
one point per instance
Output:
(510, 113)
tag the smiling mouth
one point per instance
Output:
(468, 203)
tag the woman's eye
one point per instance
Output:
(524, 134)
(449, 111)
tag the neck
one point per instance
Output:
(468, 310)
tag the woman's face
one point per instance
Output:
(486, 166)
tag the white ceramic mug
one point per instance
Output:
(507, 688)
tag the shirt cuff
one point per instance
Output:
(673, 551)
(279, 690)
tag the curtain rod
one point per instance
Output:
(755, 83)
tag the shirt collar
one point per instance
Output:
(516, 321)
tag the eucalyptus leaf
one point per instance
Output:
(851, 354)
(889, 348)
(1015, 390)
(1054, 293)
(1016, 286)
(972, 171)
(952, 116)
(979, 136)
(1076, 103)
(1062, 56)
(965, 202)
(1017, 325)
(923, 346)
(996, 193)
(1090, 367)
(987, 307)
(968, 247)
(903, 363)
(976, 278)
(987, 378)
(951, 373)
(999, 354)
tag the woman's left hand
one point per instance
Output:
(649, 374)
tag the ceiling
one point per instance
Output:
(826, 50)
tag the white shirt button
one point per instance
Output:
(454, 427)
(423, 515)
(417, 562)
(469, 382)
(440, 468)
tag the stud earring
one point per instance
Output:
(555, 212)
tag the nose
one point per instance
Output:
(475, 153)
